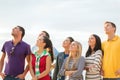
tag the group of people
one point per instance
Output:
(101, 61)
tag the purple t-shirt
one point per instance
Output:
(15, 63)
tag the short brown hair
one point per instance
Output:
(22, 29)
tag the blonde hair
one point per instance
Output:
(79, 52)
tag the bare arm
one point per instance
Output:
(30, 66)
(48, 66)
(27, 66)
(2, 64)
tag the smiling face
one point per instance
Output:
(66, 43)
(75, 48)
(92, 41)
(40, 41)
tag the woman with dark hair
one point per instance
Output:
(93, 58)
(40, 61)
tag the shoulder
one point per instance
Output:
(118, 37)
(82, 58)
(60, 53)
(24, 43)
(104, 42)
(47, 57)
(7, 42)
(98, 52)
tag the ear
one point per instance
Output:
(48, 49)
(44, 44)
(20, 33)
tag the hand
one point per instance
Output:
(86, 68)
(102, 72)
(21, 76)
(34, 78)
(117, 72)
(91, 68)
(69, 73)
(2, 75)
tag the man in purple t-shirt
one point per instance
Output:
(15, 51)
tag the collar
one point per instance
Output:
(17, 43)
(115, 38)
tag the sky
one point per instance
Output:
(61, 18)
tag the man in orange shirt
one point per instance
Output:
(111, 49)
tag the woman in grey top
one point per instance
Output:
(73, 65)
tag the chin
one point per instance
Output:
(106, 33)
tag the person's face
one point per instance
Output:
(108, 28)
(16, 31)
(92, 41)
(73, 47)
(66, 43)
(40, 41)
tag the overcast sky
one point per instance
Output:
(61, 18)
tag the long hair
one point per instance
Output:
(78, 52)
(48, 46)
(97, 45)
(46, 33)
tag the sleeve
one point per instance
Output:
(62, 70)
(55, 51)
(56, 69)
(98, 59)
(3, 48)
(28, 50)
(81, 65)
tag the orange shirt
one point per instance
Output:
(111, 57)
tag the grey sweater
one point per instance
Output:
(79, 68)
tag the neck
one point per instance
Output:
(66, 51)
(92, 47)
(73, 54)
(16, 41)
(40, 50)
(110, 37)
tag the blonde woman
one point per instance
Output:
(73, 65)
